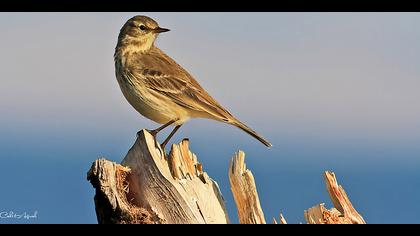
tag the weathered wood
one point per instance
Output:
(150, 188)
(281, 218)
(340, 199)
(320, 215)
(244, 191)
(343, 213)
(111, 205)
(174, 191)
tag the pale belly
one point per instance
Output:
(152, 105)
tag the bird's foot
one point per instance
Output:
(157, 146)
(160, 147)
(153, 132)
(163, 148)
(162, 151)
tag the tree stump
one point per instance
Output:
(172, 190)
(149, 188)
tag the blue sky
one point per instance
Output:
(331, 91)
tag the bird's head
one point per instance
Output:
(141, 32)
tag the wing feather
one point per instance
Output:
(181, 91)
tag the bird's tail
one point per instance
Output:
(251, 132)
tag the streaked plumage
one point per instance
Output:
(156, 86)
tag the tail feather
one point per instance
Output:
(251, 132)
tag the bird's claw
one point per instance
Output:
(153, 132)
(160, 148)
(162, 151)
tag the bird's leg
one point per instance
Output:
(168, 138)
(156, 131)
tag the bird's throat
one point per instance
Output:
(135, 45)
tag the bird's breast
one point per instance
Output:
(147, 102)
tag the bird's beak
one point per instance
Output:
(160, 30)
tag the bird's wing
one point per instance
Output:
(183, 90)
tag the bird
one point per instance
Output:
(157, 87)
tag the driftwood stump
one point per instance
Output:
(343, 213)
(172, 190)
(148, 188)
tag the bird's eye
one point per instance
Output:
(142, 27)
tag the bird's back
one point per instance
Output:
(165, 75)
(157, 60)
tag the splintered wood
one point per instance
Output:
(282, 220)
(343, 213)
(244, 191)
(174, 191)
(183, 163)
(150, 188)
(111, 205)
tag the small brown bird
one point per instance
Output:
(157, 87)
